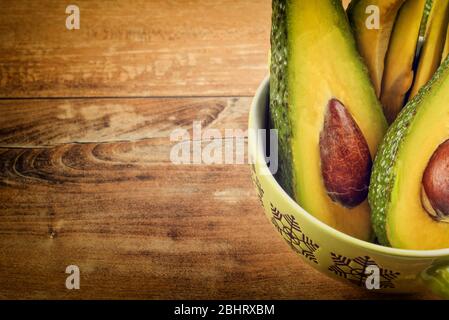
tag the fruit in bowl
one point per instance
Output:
(349, 186)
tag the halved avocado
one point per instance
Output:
(410, 172)
(372, 42)
(398, 74)
(432, 51)
(325, 109)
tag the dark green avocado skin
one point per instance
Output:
(427, 9)
(279, 90)
(383, 174)
(279, 108)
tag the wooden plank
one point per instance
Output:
(30, 123)
(133, 48)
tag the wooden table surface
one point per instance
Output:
(85, 173)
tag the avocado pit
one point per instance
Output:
(345, 157)
(435, 184)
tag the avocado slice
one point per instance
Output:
(398, 74)
(373, 43)
(400, 190)
(325, 109)
(446, 47)
(432, 51)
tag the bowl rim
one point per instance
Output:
(261, 99)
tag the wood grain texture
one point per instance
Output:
(88, 181)
(133, 48)
(139, 227)
(30, 123)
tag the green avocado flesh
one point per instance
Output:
(432, 51)
(314, 60)
(398, 215)
(373, 42)
(402, 51)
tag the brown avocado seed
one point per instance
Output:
(345, 157)
(435, 184)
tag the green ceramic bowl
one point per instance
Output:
(330, 251)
